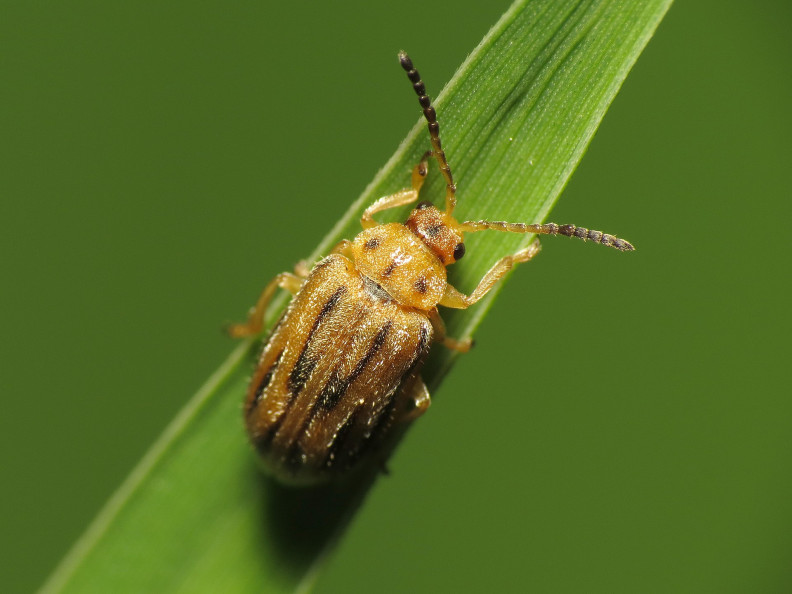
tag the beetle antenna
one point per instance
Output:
(549, 229)
(434, 128)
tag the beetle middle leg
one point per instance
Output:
(399, 198)
(255, 322)
(438, 325)
(302, 269)
(455, 299)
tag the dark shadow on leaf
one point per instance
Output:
(299, 523)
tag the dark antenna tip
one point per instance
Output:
(434, 128)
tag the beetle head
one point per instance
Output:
(439, 232)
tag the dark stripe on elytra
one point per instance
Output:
(383, 422)
(337, 387)
(262, 385)
(423, 341)
(341, 452)
(298, 377)
(301, 372)
(263, 442)
(387, 408)
(420, 350)
(294, 458)
(384, 418)
(372, 439)
(340, 439)
(305, 364)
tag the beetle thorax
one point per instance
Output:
(397, 260)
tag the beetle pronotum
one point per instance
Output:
(342, 366)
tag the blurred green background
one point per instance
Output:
(627, 429)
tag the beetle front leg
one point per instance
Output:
(454, 298)
(255, 322)
(399, 198)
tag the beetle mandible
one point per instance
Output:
(342, 366)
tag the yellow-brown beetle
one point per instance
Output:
(342, 366)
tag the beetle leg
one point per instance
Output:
(343, 247)
(454, 298)
(399, 198)
(438, 325)
(255, 322)
(302, 269)
(419, 395)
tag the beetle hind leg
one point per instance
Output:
(418, 401)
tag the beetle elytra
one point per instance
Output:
(342, 366)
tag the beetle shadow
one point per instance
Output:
(299, 524)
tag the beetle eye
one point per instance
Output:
(424, 204)
(459, 251)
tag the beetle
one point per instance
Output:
(341, 368)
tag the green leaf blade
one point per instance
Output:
(515, 121)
